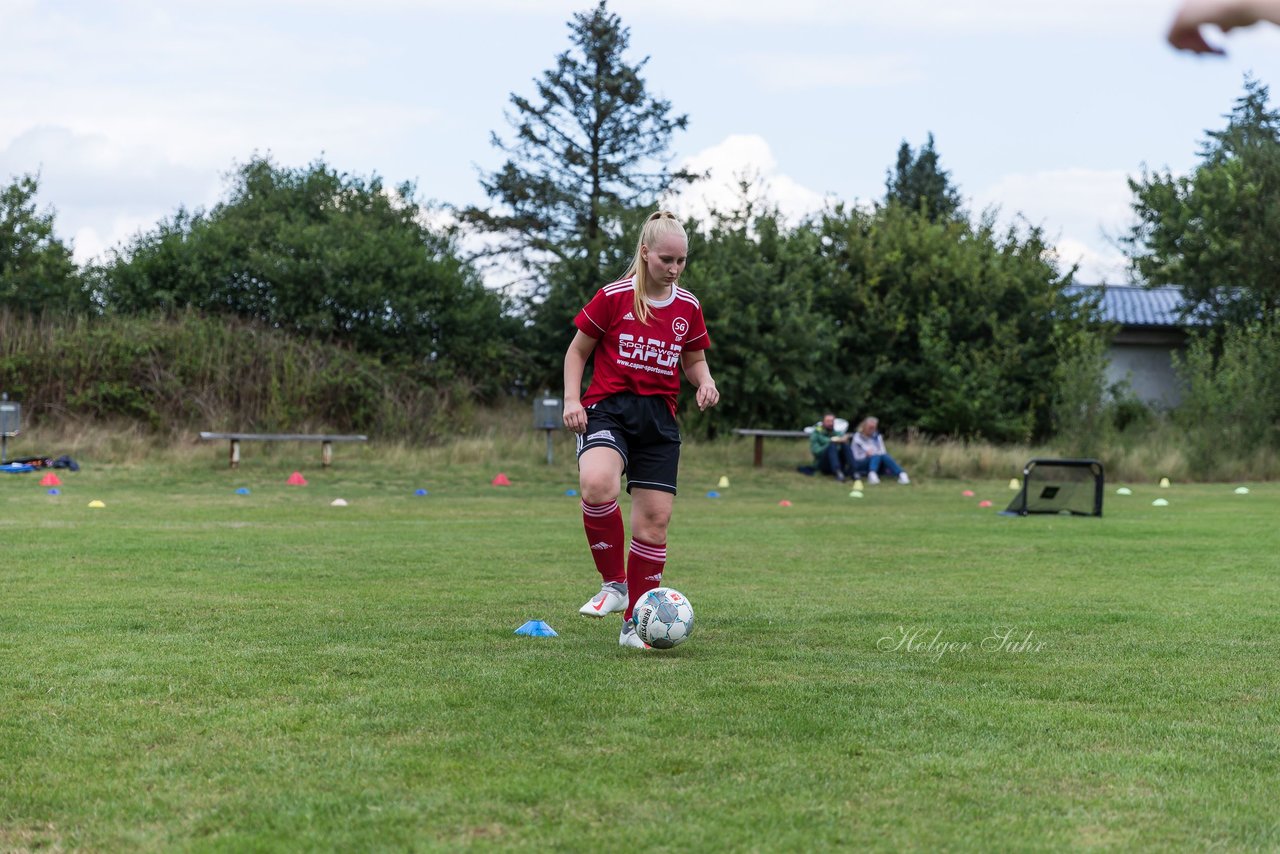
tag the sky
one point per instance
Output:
(130, 110)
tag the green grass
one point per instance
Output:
(191, 669)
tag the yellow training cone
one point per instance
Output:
(1164, 483)
(96, 503)
(724, 481)
(857, 486)
(1014, 483)
(857, 493)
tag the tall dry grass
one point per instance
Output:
(499, 437)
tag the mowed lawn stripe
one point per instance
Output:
(190, 669)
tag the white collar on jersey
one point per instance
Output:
(653, 303)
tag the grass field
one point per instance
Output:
(192, 669)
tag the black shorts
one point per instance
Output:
(641, 429)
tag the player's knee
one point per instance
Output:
(598, 488)
(651, 525)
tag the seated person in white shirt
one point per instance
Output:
(870, 459)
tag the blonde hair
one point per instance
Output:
(659, 224)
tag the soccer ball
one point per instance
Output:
(663, 617)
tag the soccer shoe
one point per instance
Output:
(873, 478)
(611, 599)
(629, 636)
(902, 478)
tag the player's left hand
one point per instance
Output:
(708, 396)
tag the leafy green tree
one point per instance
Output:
(1231, 399)
(950, 327)
(37, 273)
(947, 327)
(919, 183)
(587, 149)
(326, 255)
(1086, 412)
(773, 355)
(1213, 232)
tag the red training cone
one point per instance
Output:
(784, 503)
(50, 479)
(296, 479)
(501, 480)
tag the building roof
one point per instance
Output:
(1131, 305)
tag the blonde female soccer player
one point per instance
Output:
(642, 330)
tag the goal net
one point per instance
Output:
(1060, 486)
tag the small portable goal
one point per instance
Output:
(1060, 486)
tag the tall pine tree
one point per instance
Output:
(590, 147)
(919, 183)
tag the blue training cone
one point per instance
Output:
(713, 494)
(421, 492)
(571, 492)
(244, 490)
(55, 491)
(537, 629)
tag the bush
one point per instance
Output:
(1231, 400)
(188, 371)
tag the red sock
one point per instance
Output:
(603, 524)
(644, 570)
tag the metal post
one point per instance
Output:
(8, 411)
(547, 416)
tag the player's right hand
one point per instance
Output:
(1185, 31)
(575, 417)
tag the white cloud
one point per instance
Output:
(1096, 263)
(795, 71)
(93, 170)
(742, 158)
(1077, 208)
(92, 242)
(946, 16)
(105, 191)
(934, 16)
(201, 83)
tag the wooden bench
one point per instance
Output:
(326, 442)
(761, 435)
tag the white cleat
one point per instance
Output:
(873, 478)
(902, 478)
(611, 599)
(629, 637)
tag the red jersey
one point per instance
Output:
(642, 358)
